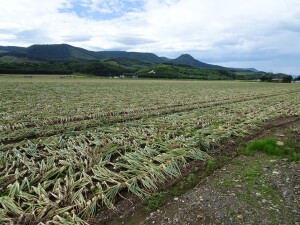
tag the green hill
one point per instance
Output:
(11, 49)
(146, 57)
(61, 52)
(187, 59)
(184, 72)
(65, 52)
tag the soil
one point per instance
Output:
(258, 189)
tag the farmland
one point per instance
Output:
(71, 146)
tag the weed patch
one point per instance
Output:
(272, 146)
(155, 201)
(212, 165)
(190, 181)
(266, 145)
(228, 182)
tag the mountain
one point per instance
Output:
(187, 59)
(44, 53)
(67, 53)
(11, 49)
(61, 52)
(251, 69)
(146, 57)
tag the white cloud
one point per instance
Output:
(212, 30)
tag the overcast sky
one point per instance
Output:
(264, 34)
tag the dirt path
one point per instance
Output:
(258, 189)
(250, 190)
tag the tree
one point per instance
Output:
(265, 78)
(287, 79)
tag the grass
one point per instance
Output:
(228, 182)
(252, 177)
(158, 199)
(272, 146)
(267, 145)
(155, 200)
(216, 163)
(252, 174)
(212, 165)
(288, 148)
(249, 176)
(184, 185)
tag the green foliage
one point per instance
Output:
(184, 185)
(155, 200)
(287, 79)
(158, 199)
(248, 75)
(184, 72)
(34, 68)
(252, 174)
(282, 78)
(115, 68)
(228, 182)
(266, 78)
(292, 152)
(98, 68)
(93, 68)
(266, 145)
(270, 146)
(212, 164)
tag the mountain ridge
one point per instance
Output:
(187, 59)
(66, 52)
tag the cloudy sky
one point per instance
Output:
(264, 34)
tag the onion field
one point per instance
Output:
(70, 147)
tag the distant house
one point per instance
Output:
(119, 77)
(135, 77)
(277, 80)
(152, 71)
